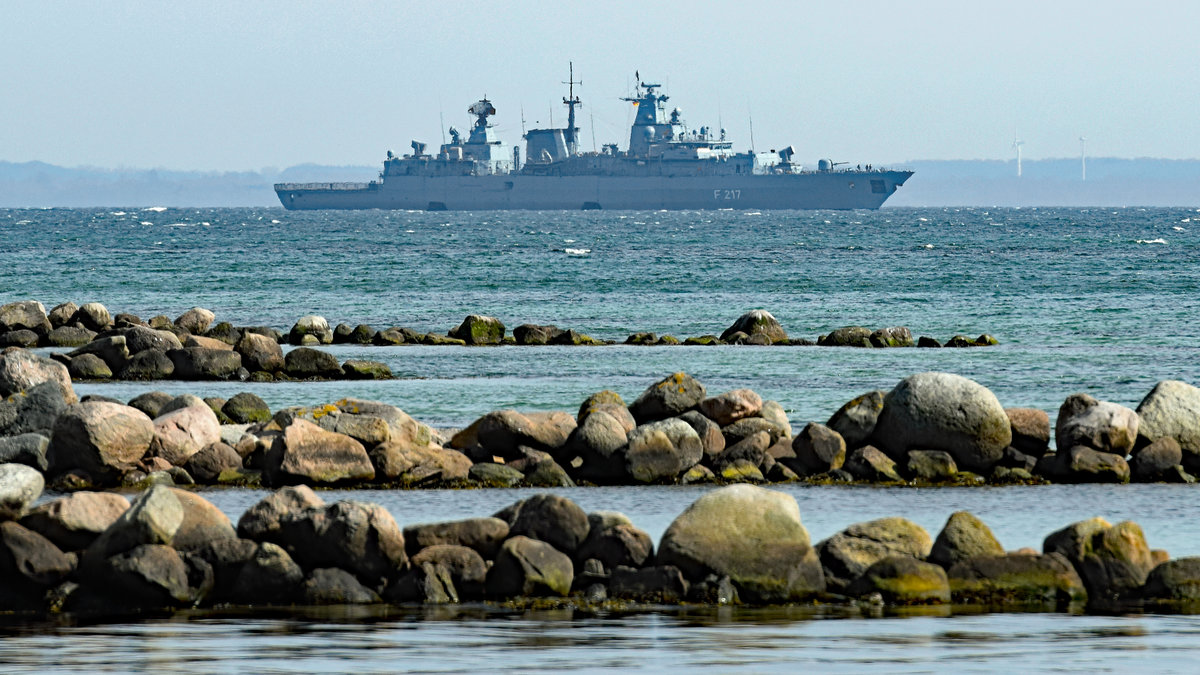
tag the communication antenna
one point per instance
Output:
(751, 116)
(593, 116)
(571, 101)
(442, 122)
(522, 120)
(1083, 157)
(1017, 143)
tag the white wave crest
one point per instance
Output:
(577, 251)
(1152, 241)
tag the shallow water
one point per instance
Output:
(1080, 299)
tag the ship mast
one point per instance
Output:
(571, 101)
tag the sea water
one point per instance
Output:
(1102, 301)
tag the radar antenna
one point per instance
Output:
(571, 101)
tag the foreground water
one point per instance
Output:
(1102, 301)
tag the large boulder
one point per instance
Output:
(1030, 430)
(30, 561)
(24, 315)
(148, 364)
(943, 411)
(502, 433)
(1100, 425)
(893, 336)
(333, 586)
(141, 338)
(261, 522)
(196, 320)
(752, 535)
(154, 517)
(709, 432)
(1154, 462)
(847, 336)
(104, 439)
(483, 535)
(246, 408)
(73, 522)
(1175, 580)
(359, 537)
(869, 463)
(92, 316)
(1082, 464)
(731, 406)
(182, 433)
(20, 486)
(615, 542)
(304, 452)
(903, 580)
(145, 576)
(202, 522)
(661, 451)
(669, 397)
(270, 575)
(69, 336)
(468, 570)
(1016, 579)
(964, 536)
(28, 449)
(847, 554)
(305, 362)
(558, 521)
(526, 567)
(111, 349)
(60, 315)
(34, 410)
(1113, 560)
(1172, 410)
(757, 322)
(856, 420)
(818, 449)
(260, 353)
(207, 465)
(599, 442)
(477, 329)
(199, 363)
(21, 370)
(397, 461)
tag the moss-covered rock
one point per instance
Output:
(478, 329)
(1016, 579)
(903, 580)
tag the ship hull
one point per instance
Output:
(814, 190)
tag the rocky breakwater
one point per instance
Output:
(193, 346)
(169, 548)
(27, 324)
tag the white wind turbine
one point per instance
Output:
(1083, 156)
(1017, 146)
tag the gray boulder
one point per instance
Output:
(207, 465)
(477, 329)
(855, 420)
(526, 567)
(847, 336)
(104, 439)
(942, 411)
(1030, 430)
(73, 522)
(846, 555)
(869, 463)
(895, 336)
(615, 542)
(660, 584)
(154, 517)
(467, 569)
(753, 536)
(662, 450)
(1099, 425)
(709, 432)
(24, 315)
(555, 520)
(179, 434)
(333, 586)
(304, 452)
(92, 316)
(261, 522)
(1154, 462)
(146, 576)
(89, 367)
(305, 362)
(28, 559)
(19, 338)
(964, 536)
(502, 433)
(903, 580)
(61, 314)
(599, 443)
(1175, 580)
(199, 363)
(425, 583)
(148, 364)
(21, 370)
(1112, 560)
(28, 449)
(1016, 579)
(112, 349)
(260, 353)
(141, 338)
(731, 406)
(358, 537)
(669, 397)
(20, 486)
(1081, 464)
(33, 410)
(483, 535)
(930, 465)
(270, 575)
(395, 461)
(1172, 410)
(69, 336)
(196, 320)
(818, 449)
(757, 322)
(246, 408)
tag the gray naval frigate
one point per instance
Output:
(666, 166)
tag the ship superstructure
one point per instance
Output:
(665, 166)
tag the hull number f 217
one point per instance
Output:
(727, 194)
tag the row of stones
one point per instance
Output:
(170, 548)
(930, 428)
(27, 324)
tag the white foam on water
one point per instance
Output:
(410, 232)
(117, 213)
(146, 222)
(1152, 241)
(156, 209)
(927, 246)
(753, 213)
(276, 222)
(1179, 229)
(923, 220)
(568, 241)
(577, 251)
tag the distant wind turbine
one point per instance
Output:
(1017, 146)
(1083, 156)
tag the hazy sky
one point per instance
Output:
(221, 85)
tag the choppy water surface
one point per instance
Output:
(1103, 301)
